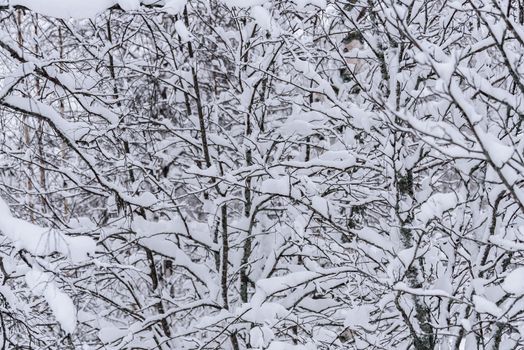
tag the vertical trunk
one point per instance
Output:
(63, 150)
(425, 340)
(200, 109)
(40, 131)
(244, 270)
(25, 121)
(224, 269)
(225, 256)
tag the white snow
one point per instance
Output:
(331, 159)
(41, 283)
(436, 205)
(174, 7)
(109, 334)
(514, 282)
(72, 130)
(146, 199)
(243, 3)
(267, 312)
(198, 232)
(67, 9)
(465, 324)
(306, 174)
(79, 9)
(280, 185)
(273, 285)
(321, 205)
(280, 345)
(43, 241)
(259, 337)
(482, 305)
(129, 5)
(303, 4)
(296, 127)
(372, 237)
(163, 244)
(183, 32)
(406, 256)
(419, 291)
(498, 152)
(302, 123)
(358, 316)
(262, 17)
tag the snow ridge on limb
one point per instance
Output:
(79, 9)
(42, 242)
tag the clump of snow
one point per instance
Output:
(465, 324)
(296, 127)
(436, 205)
(406, 256)
(43, 241)
(482, 305)
(243, 3)
(514, 282)
(280, 185)
(183, 32)
(358, 316)
(280, 345)
(302, 4)
(146, 199)
(174, 7)
(330, 159)
(77, 9)
(129, 5)
(41, 283)
(373, 237)
(302, 123)
(109, 334)
(305, 67)
(150, 229)
(321, 205)
(259, 337)
(498, 152)
(78, 248)
(270, 286)
(153, 236)
(262, 17)
(67, 9)
(265, 313)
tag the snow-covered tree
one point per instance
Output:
(227, 174)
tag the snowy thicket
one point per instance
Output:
(261, 174)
